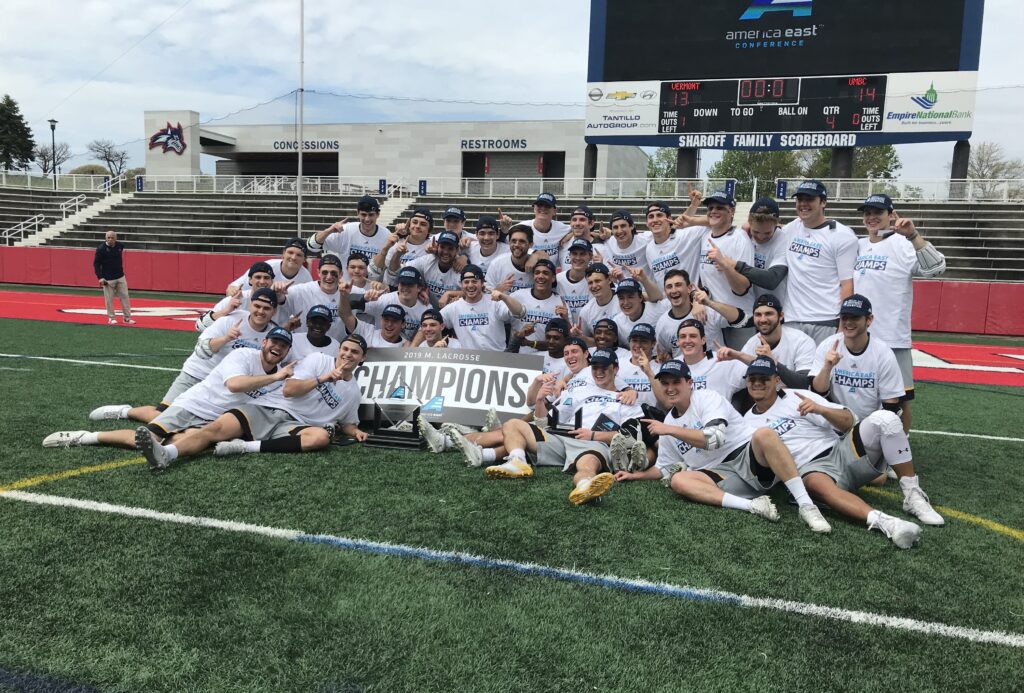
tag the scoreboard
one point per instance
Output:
(782, 74)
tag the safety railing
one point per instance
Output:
(909, 190)
(17, 232)
(69, 207)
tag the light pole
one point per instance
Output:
(53, 150)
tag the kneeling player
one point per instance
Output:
(708, 454)
(832, 468)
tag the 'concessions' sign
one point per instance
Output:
(449, 385)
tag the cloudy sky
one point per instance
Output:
(95, 66)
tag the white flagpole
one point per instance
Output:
(302, 84)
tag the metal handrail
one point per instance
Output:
(75, 202)
(22, 226)
(108, 186)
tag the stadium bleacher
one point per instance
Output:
(19, 204)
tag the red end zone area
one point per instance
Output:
(90, 310)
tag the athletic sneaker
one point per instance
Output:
(111, 321)
(230, 447)
(435, 440)
(762, 506)
(129, 321)
(149, 446)
(491, 421)
(902, 533)
(64, 439)
(916, 503)
(589, 489)
(473, 453)
(813, 519)
(515, 468)
(638, 461)
(110, 411)
(619, 452)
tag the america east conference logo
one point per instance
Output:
(746, 37)
(758, 8)
(170, 138)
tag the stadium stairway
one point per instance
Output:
(83, 215)
(19, 204)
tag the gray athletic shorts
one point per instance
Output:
(265, 423)
(174, 420)
(906, 361)
(741, 476)
(562, 451)
(183, 382)
(847, 463)
(816, 331)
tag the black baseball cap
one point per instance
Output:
(661, 206)
(393, 310)
(320, 311)
(628, 286)
(330, 259)
(409, 275)
(358, 339)
(584, 210)
(580, 343)
(432, 314)
(368, 203)
(447, 238)
(559, 325)
(622, 214)
(581, 244)
(296, 243)
(877, 202)
(604, 357)
(544, 262)
(454, 213)
(598, 267)
(721, 197)
(281, 335)
(486, 221)
(261, 267)
(762, 365)
(607, 323)
(691, 322)
(857, 304)
(546, 198)
(765, 205)
(425, 213)
(812, 188)
(264, 294)
(642, 330)
(769, 300)
(471, 272)
(674, 369)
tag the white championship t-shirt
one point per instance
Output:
(326, 403)
(351, 240)
(302, 298)
(302, 347)
(705, 406)
(476, 256)
(884, 273)
(805, 436)
(199, 367)
(632, 256)
(860, 382)
(818, 259)
(736, 244)
(412, 315)
(437, 282)
(479, 325)
(211, 398)
(795, 350)
(500, 268)
(724, 377)
(681, 250)
(593, 311)
(538, 312)
(301, 277)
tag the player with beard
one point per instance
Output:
(888, 259)
(708, 454)
(581, 226)
(791, 349)
(625, 249)
(321, 393)
(512, 272)
(344, 237)
(486, 249)
(687, 302)
(438, 269)
(541, 304)
(315, 338)
(244, 375)
(640, 300)
(833, 469)
(671, 248)
(478, 319)
(289, 268)
(241, 330)
(411, 295)
(431, 332)
(721, 237)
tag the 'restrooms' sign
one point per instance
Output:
(449, 385)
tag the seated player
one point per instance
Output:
(708, 454)
(392, 322)
(261, 275)
(321, 393)
(316, 337)
(244, 330)
(243, 376)
(581, 448)
(832, 469)
(478, 320)
(290, 268)
(431, 333)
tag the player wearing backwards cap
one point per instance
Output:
(547, 231)
(606, 336)
(602, 303)
(791, 349)
(486, 248)
(541, 304)
(244, 375)
(625, 248)
(294, 418)
(438, 269)
(889, 258)
(672, 248)
(478, 319)
(261, 275)
(289, 268)
(640, 300)
(241, 330)
(709, 454)
(342, 238)
(316, 337)
(722, 238)
(768, 271)
(512, 271)
(581, 226)
(431, 332)
(682, 296)
(832, 469)
(410, 241)
(392, 322)
(411, 295)
(323, 292)
(820, 255)
(572, 285)
(454, 220)
(359, 275)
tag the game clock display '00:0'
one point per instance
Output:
(852, 103)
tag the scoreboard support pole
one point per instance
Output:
(687, 162)
(961, 157)
(842, 163)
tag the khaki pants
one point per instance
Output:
(118, 287)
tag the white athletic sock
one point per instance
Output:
(908, 484)
(90, 439)
(123, 412)
(873, 517)
(735, 502)
(489, 455)
(517, 454)
(172, 452)
(799, 491)
(583, 481)
(252, 446)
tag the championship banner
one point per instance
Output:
(448, 385)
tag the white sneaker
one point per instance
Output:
(111, 321)
(149, 446)
(813, 519)
(129, 321)
(902, 533)
(64, 439)
(110, 411)
(473, 453)
(515, 468)
(230, 447)
(434, 438)
(916, 503)
(762, 506)
(619, 452)
(491, 421)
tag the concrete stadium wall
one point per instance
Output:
(939, 306)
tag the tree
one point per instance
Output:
(132, 172)
(89, 170)
(876, 163)
(107, 152)
(745, 166)
(989, 164)
(45, 159)
(16, 143)
(663, 164)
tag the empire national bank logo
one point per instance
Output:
(928, 101)
(796, 8)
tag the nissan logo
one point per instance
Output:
(595, 94)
